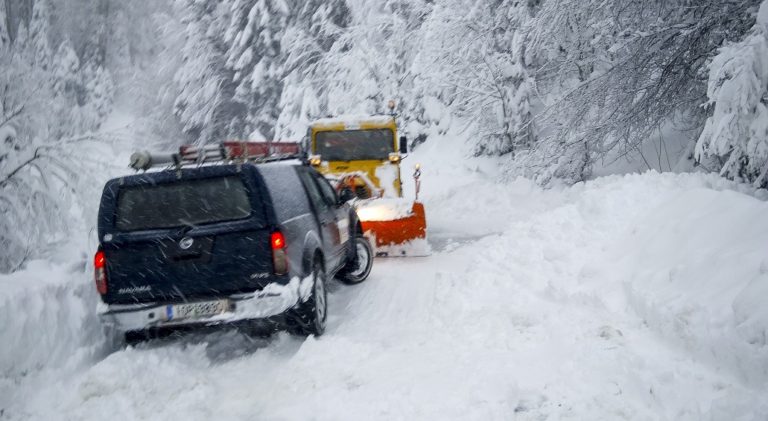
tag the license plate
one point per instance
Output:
(196, 310)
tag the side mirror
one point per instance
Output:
(346, 195)
(403, 145)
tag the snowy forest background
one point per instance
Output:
(561, 90)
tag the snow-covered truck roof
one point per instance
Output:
(354, 122)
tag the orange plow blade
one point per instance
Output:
(404, 236)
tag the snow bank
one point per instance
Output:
(662, 269)
(750, 310)
(684, 253)
(467, 197)
(696, 272)
(48, 318)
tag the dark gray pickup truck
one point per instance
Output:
(221, 244)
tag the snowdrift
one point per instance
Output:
(636, 283)
(695, 270)
(48, 318)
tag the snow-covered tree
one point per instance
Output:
(306, 45)
(200, 76)
(5, 38)
(118, 53)
(474, 61)
(255, 59)
(372, 62)
(38, 34)
(48, 103)
(24, 194)
(614, 72)
(737, 131)
(239, 54)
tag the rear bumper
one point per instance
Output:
(274, 299)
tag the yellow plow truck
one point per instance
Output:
(362, 155)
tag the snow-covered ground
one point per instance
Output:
(629, 297)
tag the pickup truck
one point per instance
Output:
(222, 244)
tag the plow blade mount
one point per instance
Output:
(400, 234)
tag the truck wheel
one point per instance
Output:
(309, 317)
(359, 267)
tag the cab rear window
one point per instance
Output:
(183, 203)
(351, 145)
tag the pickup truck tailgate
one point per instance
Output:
(211, 265)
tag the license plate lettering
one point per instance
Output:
(196, 310)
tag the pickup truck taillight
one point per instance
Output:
(279, 259)
(100, 272)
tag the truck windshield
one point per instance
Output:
(184, 203)
(352, 145)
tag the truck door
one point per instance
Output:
(326, 215)
(341, 213)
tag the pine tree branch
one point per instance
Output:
(20, 167)
(38, 154)
(8, 118)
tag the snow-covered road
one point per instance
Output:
(637, 297)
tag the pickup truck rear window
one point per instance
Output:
(184, 203)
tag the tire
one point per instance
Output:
(309, 317)
(359, 267)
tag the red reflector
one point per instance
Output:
(100, 272)
(99, 260)
(279, 258)
(277, 241)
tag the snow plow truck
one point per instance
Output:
(363, 154)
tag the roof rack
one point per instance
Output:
(230, 151)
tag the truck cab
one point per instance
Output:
(364, 145)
